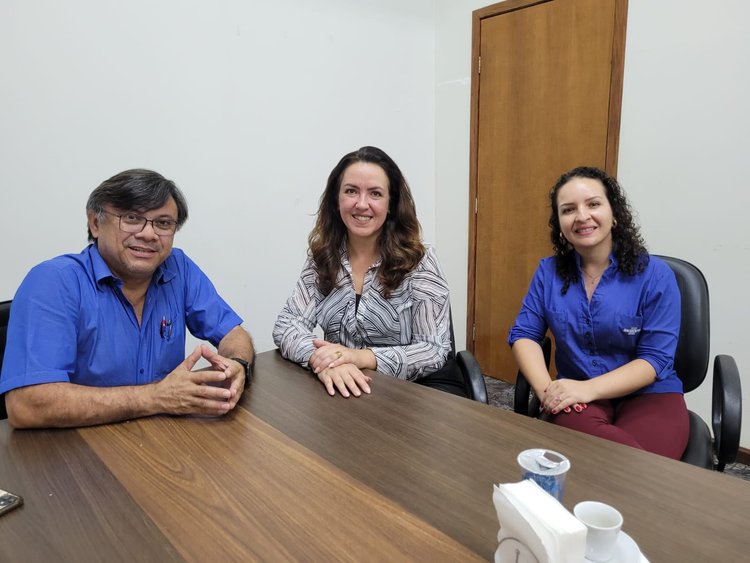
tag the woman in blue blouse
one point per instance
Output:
(615, 314)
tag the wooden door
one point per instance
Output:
(545, 98)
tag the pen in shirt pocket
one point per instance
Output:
(165, 328)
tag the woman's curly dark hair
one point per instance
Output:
(627, 243)
(400, 240)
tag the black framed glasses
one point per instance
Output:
(134, 223)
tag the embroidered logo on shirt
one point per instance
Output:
(633, 330)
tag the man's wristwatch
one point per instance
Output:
(248, 369)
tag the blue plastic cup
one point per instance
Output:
(546, 468)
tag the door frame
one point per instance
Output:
(613, 125)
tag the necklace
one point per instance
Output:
(591, 279)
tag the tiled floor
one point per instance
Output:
(500, 395)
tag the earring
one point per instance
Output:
(614, 223)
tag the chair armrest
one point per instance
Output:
(524, 400)
(521, 395)
(546, 345)
(726, 409)
(699, 449)
(472, 376)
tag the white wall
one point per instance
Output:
(684, 154)
(452, 107)
(683, 151)
(247, 105)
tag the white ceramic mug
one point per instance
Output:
(603, 524)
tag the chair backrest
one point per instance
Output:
(4, 318)
(453, 338)
(693, 346)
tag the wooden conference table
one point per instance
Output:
(403, 474)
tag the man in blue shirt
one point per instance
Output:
(99, 336)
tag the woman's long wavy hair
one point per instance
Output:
(400, 241)
(627, 243)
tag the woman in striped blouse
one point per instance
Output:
(377, 292)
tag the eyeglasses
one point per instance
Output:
(132, 223)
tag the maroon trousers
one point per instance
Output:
(655, 422)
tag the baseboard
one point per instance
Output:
(743, 456)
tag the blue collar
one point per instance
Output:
(164, 273)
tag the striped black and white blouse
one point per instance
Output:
(409, 332)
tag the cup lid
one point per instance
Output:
(543, 462)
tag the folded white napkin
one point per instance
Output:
(534, 526)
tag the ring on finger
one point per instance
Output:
(338, 354)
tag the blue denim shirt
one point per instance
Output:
(628, 318)
(70, 322)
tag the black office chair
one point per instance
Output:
(691, 364)
(462, 367)
(4, 318)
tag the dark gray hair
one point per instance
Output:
(136, 190)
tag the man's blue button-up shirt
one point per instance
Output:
(70, 322)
